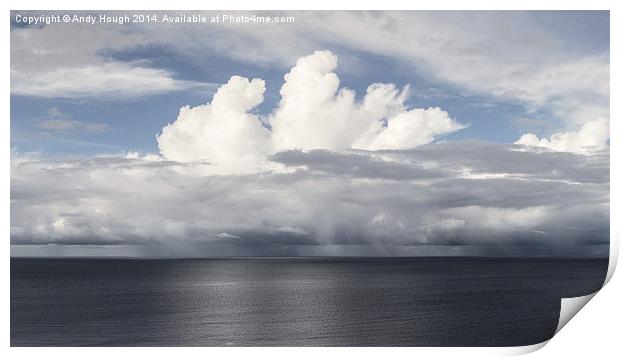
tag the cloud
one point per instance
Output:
(518, 56)
(102, 80)
(327, 171)
(389, 202)
(59, 122)
(592, 136)
(69, 61)
(222, 132)
(531, 58)
(354, 164)
(493, 218)
(313, 112)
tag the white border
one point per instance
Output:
(594, 328)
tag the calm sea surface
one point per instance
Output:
(294, 302)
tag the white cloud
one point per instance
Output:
(592, 136)
(410, 129)
(314, 112)
(114, 79)
(68, 61)
(222, 132)
(493, 218)
(227, 235)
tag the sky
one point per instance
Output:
(338, 133)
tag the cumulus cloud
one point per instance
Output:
(314, 112)
(348, 202)
(592, 136)
(222, 132)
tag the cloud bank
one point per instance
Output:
(444, 198)
(314, 112)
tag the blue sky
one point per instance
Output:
(133, 121)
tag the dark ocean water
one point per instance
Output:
(294, 302)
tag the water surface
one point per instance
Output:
(294, 302)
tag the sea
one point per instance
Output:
(431, 301)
